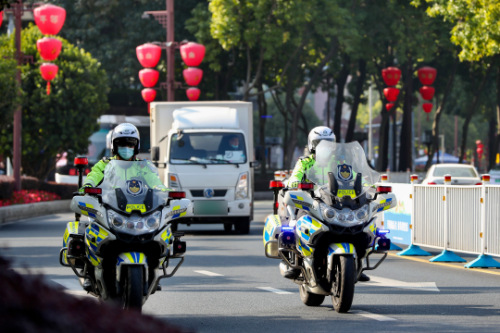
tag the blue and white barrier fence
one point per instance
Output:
(450, 218)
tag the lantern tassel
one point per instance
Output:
(149, 110)
(48, 88)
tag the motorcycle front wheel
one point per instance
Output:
(343, 286)
(132, 294)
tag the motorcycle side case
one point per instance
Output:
(272, 229)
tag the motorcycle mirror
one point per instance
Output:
(333, 186)
(155, 154)
(357, 184)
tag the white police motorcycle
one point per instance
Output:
(127, 238)
(329, 225)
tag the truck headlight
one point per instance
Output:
(242, 186)
(173, 181)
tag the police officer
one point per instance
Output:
(305, 163)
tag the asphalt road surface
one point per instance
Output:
(227, 285)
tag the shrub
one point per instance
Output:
(65, 191)
(6, 187)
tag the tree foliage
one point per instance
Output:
(63, 120)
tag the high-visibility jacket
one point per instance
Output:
(96, 175)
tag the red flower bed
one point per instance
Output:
(29, 196)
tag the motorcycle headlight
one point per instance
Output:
(134, 225)
(329, 213)
(362, 213)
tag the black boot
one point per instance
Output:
(364, 278)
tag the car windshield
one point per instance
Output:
(455, 171)
(134, 183)
(345, 161)
(208, 148)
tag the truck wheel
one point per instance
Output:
(243, 225)
(228, 227)
(310, 299)
(132, 295)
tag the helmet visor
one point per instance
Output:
(126, 142)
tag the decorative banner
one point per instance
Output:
(391, 75)
(427, 92)
(148, 54)
(49, 18)
(192, 76)
(49, 72)
(398, 219)
(427, 75)
(149, 77)
(391, 94)
(192, 54)
(193, 94)
(49, 48)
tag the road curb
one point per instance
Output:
(19, 212)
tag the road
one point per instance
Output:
(227, 284)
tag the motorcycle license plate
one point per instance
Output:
(210, 207)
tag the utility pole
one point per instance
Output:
(370, 132)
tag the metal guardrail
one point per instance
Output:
(456, 218)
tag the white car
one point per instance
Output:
(495, 175)
(461, 174)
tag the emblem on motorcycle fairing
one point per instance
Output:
(344, 172)
(208, 193)
(134, 187)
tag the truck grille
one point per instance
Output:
(217, 193)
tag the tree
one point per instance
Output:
(64, 120)
(11, 93)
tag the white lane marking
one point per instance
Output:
(208, 273)
(372, 315)
(276, 291)
(384, 282)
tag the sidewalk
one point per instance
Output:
(17, 212)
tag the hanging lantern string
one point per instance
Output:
(48, 87)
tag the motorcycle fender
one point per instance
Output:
(131, 259)
(340, 249)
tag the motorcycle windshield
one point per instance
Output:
(132, 186)
(345, 161)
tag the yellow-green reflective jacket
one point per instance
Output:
(96, 175)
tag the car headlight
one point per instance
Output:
(242, 186)
(134, 225)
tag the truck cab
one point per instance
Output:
(206, 150)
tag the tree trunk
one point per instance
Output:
(497, 139)
(340, 81)
(357, 98)
(262, 129)
(469, 114)
(297, 112)
(437, 116)
(405, 147)
(383, 143)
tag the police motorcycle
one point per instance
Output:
(127, 239)
(329, 228)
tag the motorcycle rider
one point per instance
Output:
(125, 143)
(305, 163)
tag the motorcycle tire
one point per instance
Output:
(243, 225)
(132, 294)
(344, 293)
(310, 299)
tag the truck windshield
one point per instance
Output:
(208, 148)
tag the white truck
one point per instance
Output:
(206, 150)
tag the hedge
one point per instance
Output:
(65, 191)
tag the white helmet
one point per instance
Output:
(128, 133)
(317, 134)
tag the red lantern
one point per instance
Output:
(49, 48)
(49, 18)
(149, 77)
(427, 92)
(427, 75)
(193, 94)
(148, 54)
(479, 149)
(1, 18)
(427, 109)
(148, 94)
(389, 106)
(49, 72)
(192, 76)
(391, 94)
(391, 75)
(192, 54)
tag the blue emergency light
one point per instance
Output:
(382, 232)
